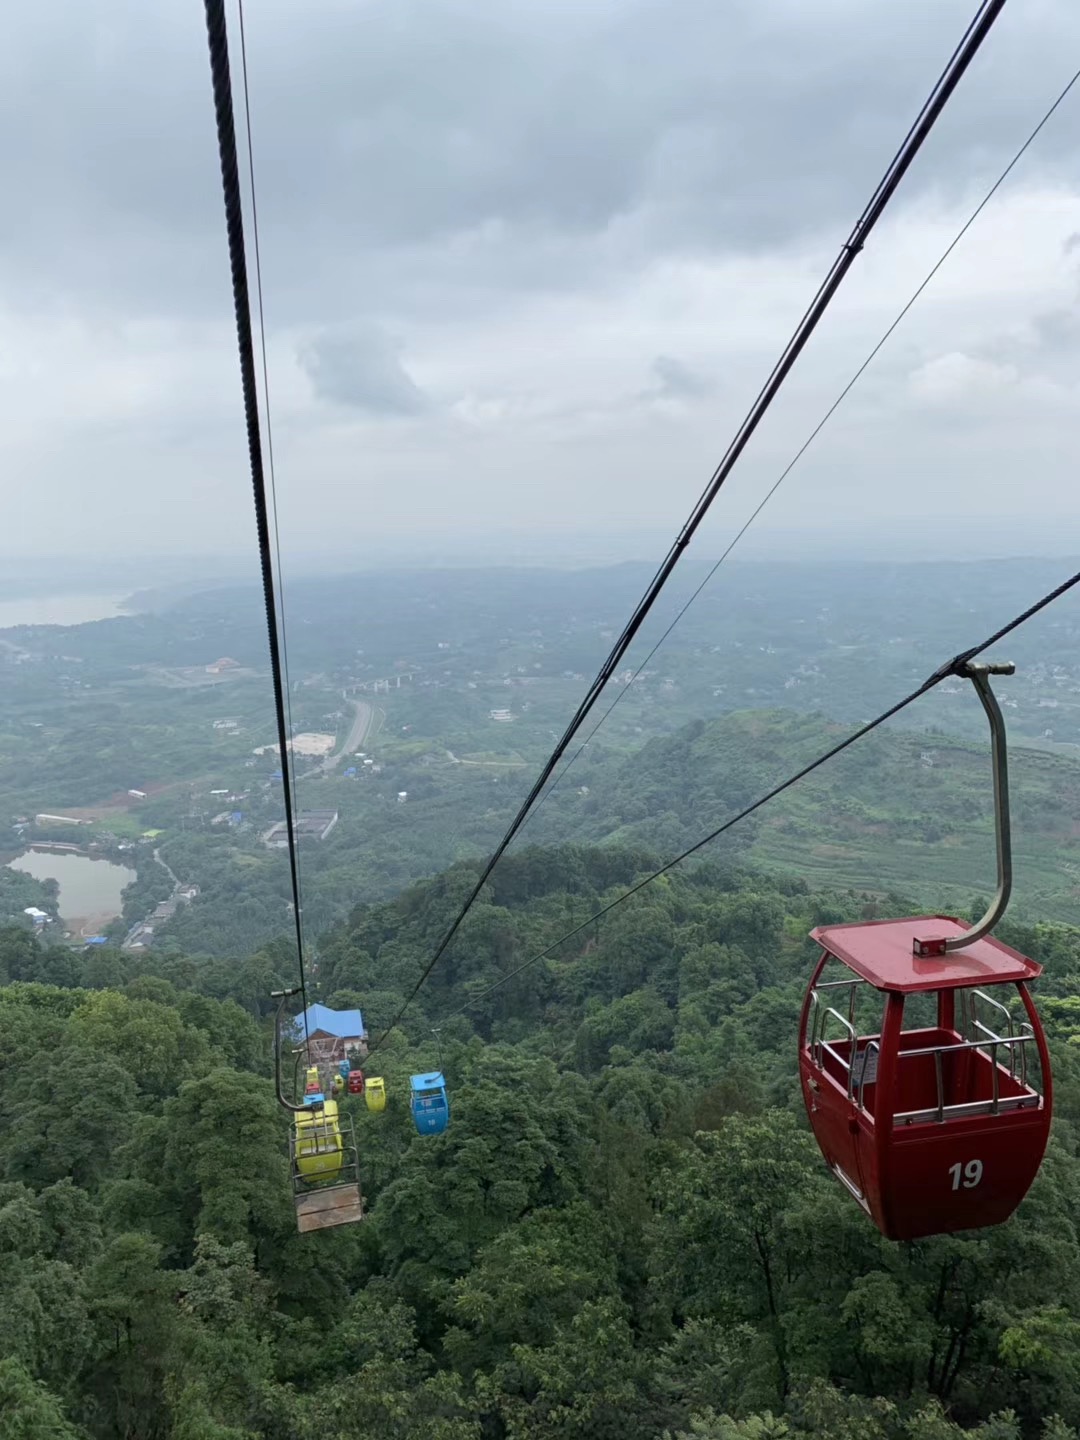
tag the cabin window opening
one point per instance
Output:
(977, 1055)
(845, 1032)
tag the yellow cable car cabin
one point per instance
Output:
(324, 1167)
(323, 1162)
(375, 1093)
(317, 1140)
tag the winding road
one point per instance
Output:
(167, 869)
(358, 733)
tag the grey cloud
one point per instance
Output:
(678, 381)
(1058, 330)
(429, 144)
(359, 366)
(525, 190)
(1049, 350)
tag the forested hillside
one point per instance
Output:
(627, 1230)
(901, 809)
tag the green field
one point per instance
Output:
(900, 811)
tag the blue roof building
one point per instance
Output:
(338, 1024)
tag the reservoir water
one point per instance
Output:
(73, 609)
(89, 889)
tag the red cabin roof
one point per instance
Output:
(881, 952)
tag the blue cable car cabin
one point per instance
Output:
(430, 1106)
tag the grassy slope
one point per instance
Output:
(914, 812)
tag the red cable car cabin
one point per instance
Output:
(926, 1076)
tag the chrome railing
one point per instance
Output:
(976, 1028)
(851, 986)
(997, 1103)
(821, 1014)
(319, 1142)
(861, 1071)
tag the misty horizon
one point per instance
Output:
(963, 541)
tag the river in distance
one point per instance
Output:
(73, 609)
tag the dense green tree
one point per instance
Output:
(52, 1129)
(729, 1236)
(27, 1410)
(387, 1386)
(626, 1231)
(157, 1049)
(132, 1305)
(225, 1157)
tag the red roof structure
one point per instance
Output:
(882, 952)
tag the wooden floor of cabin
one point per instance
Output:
(336, 1205)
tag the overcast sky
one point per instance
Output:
(526, 263)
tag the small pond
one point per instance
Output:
(89, 889)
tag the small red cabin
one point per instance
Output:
(356, 1082)
(926, 1075)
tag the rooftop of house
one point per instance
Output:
(345, 1024)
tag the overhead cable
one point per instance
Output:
(288, 762)
(620, 694)
(218, 43)
(961, 58)
(951, 667)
